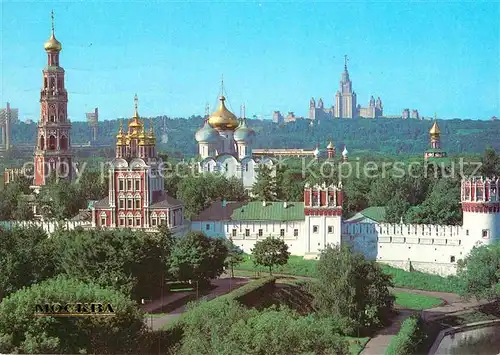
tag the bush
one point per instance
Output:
(21, 332)
(410, 337)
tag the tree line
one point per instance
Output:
(384, 136)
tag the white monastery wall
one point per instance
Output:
(427, 248)
(246, 233)
(48, 226)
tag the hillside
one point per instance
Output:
(379, 136)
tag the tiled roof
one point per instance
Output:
(273, 211)
(166, 201)
(216, 212)
(104, 203)
(375, 213)
(84, 215)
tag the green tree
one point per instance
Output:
(132, 262)
(480, 272)
(264, 188)
(198, 257)
(234, 255)
(26, 257)
(270, 252)
(490, 163)
(93, 185)
(60, 199)
(351, 289)
(20, 332)
(23, 211)
(396, 208)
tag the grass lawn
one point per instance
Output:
(356, 345)
(416, 301)
(297, 266)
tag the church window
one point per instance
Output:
(315, 200)
(137, 221)
(466, 232)
(129, 184)
(121, 203)
(246, 167)
(122, 221)
(137, 185)
(315, 229)
(486, 233)
(234, 232)
(247, 232)
(295, 232)
(137, 203)
(121, 185)
(103, 219)
(282, 232)
(226, 166)
(153, 221)
(452, 259)
(130, 222)
(207, 227)
(330, 229)
(260, 232)
(52, 118)
(129, 203)
(319, 244)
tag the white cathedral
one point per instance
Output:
(225, 146)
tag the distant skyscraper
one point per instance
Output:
(345, 103)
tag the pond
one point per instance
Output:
(484, 340)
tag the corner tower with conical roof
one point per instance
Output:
(53, 145)
(435, 150)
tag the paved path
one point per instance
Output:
(222, 286)
(452, 304)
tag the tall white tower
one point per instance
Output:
(323, 217)
(481, 210)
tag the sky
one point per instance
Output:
(441, 58)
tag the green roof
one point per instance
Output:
(273, 211)
(376, 213)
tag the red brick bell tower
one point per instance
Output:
(53, 144)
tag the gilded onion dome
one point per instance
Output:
(243, 133)
(330, 145)
(120, 137)
(223, 119)
(345, 152)
(435, 131)
(52, 44)
(143, 137)
(135, 126)
(207, 134)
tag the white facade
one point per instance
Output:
(427, 248)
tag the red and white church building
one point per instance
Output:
(137, 197)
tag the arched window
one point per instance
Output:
(122, 219)
(63, 143)
(52, 142)
(103, 219)
(154, 219)
(42, 142)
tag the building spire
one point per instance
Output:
(136, 104)
(52, 18)
(346, 59)
(222, 85)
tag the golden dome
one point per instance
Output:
(52, 44)
(120, 136)
(435, 131)
(223, 119)
(330, 145)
